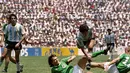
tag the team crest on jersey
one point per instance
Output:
(56, 68)
(63, 66)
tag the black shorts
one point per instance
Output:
(11, 45)
(110, 45)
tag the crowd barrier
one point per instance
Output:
(59, 51)
(46, 51)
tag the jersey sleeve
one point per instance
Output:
(23, 30)
(80, 43)
(65, 59)
(121, 56)
(53, 71)
(92, 34)
(5, 30)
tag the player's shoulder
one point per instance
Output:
(18, 24)
(112, 34)
(90, 31)
(53, 69)
(63, 59)
(5, 24)
(122, 54)
(79, 36)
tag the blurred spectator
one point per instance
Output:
(55, 22)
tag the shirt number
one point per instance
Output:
(125, 62)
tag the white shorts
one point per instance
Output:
(77, 69)
(112, 68)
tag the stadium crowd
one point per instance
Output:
(56, 22)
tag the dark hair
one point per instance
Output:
(12, 15)
(50, 59)
(108, 29)
(83, 28)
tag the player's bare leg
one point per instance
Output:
(17, 53)
(82, 62)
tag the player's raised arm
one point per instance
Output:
(71, 59)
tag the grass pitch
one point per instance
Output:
(39, 64)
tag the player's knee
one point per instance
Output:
(90, 46)
(3, 55)
(90, 49)
(83, 59)
(110, 50)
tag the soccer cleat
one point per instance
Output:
(88, 66)
(21, 68)
(5, 71)
(18, 71)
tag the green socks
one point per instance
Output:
(95, 54)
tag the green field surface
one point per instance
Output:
(39, 64)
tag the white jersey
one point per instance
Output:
(14, 33)
(110, 38)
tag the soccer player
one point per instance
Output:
(4, 56)
(119, 65)
(64, 67)
(16, 35)
(4, 53)
(86, 39)
(110, 41)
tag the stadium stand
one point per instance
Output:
(55, 22)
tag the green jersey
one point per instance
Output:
(4, 26)
(82, 40)
(63, 67)
(3, 29)
(124, 64)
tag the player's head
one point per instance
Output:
(109, 30)
(12, 18)
(127, 50)
(83, 28)
(53, 60)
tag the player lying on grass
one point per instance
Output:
(64, 67)
(119, 65)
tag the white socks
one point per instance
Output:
(18, 66)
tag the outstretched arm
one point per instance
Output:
(84, 52)
(114, 61)
(71, 59)
(80, 45)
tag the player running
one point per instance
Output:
(4, 53)
(16, 35)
